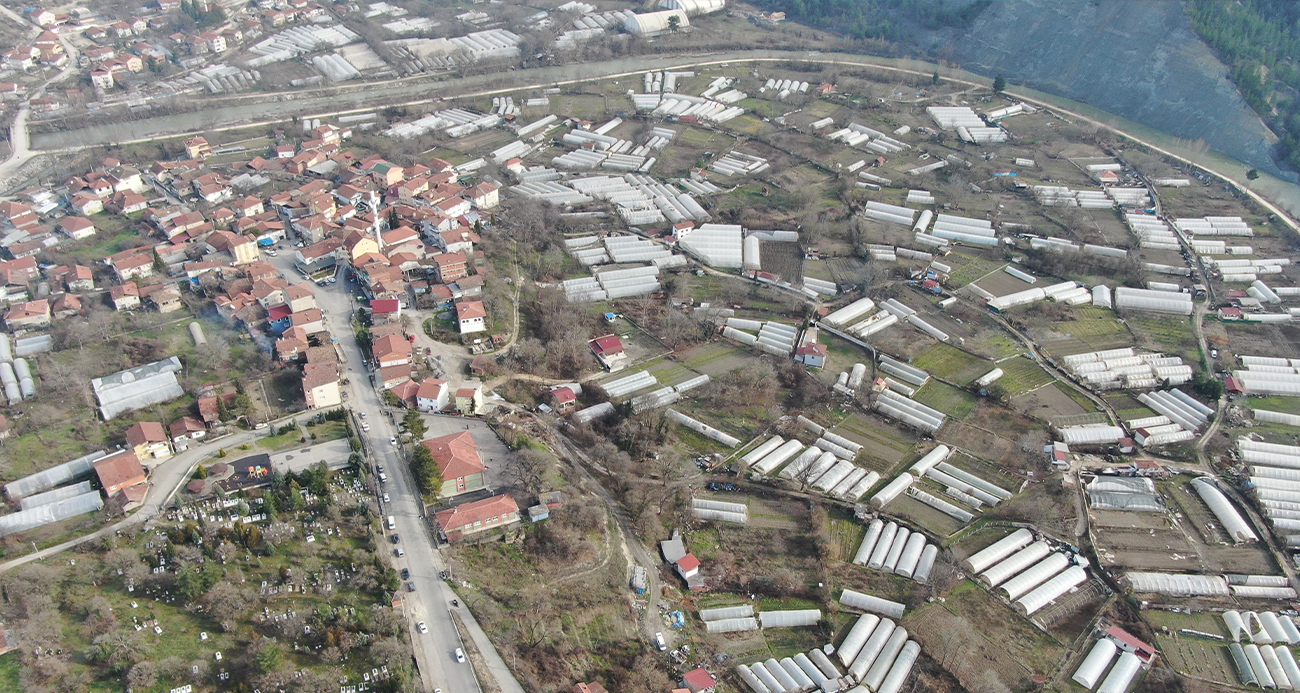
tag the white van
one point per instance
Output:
(392, 522)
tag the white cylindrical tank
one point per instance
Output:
(1094, 665)
(892, 490)
(879, 668)
(1015, 563)
(886, 542)
(1000, 549)
(896, 549)
(911, 555)
(1121, 675)
(901, 668)
(1036, 575)
(857, 637)
(868, 545)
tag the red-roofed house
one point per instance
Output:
(148, 440)
(563, 399)
(77, 228)
(186, 428)
(432, 395)
(120, 471)
(1126, 642)
(458, 461)
(688, 566)
(812, 355)
(391, 350)
(609, 351)
(699, 680)
(320, 385)
(29, 314)
(384, 310)
(471, 316)
(470, 519)
(406, 392)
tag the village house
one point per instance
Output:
(148, 440)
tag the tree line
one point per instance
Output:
(1258, 41)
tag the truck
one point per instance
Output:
(392, 522)
(639, 579)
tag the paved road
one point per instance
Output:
(431, 601)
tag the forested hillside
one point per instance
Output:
(1259, 41)
(879, 19)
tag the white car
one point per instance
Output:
(365, 426)
(460, 656)
(385, 497)
(392, 441)
(421, 627)
(363, 415)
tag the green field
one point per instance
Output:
(1022, 375)
(1092, 329)
(947, 399)
(973, 269)
(952, 364)
(1286, 405)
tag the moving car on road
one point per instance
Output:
(460, 656)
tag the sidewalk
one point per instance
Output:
(495, 664)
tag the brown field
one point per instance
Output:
(785, 260)
(1000, 283)
(919, 514)
(985, 645)
(1264, 340)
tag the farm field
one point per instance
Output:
(952, 364)
(947, 399)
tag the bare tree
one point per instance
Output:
(529, 469)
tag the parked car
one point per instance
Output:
(410, 586)
(385, 497)
(397, 539)
(406, 573)
(392, 441)
(400, 552)
(659, 642)
(460, 656)
(421, 627)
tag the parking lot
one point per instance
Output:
(490, 448)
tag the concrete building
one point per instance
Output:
(472, 519)
(320, 385)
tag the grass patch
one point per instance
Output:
(1022, 375)
(973, 269)
(9, 668)
(1286, 405)
(953, 364)
(947, 399)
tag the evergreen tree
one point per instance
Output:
(999, 84)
